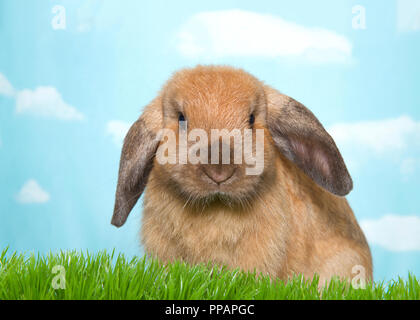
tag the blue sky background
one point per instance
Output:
(67, 96)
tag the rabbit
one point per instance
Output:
(292, 218)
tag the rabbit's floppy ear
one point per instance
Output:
(299, 135)
(136, 162)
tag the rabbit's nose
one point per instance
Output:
(219, 173)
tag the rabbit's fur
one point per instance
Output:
(290, 219)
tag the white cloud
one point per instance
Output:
(408, 15)
(117, 130)
(395, 233)
(395, 142)
(32, 192)
(379, 136)
(46, 102)
(244, 33)
(6, 88)
(409, 166)
(43, 101)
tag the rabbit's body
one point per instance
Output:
(288, 218)
(294, 228)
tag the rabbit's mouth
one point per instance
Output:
(227, 194)
(218, 176)
(207, 185)
(219, 199)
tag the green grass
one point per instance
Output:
(110, 276)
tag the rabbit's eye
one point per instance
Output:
(251, 119)
(182, 122)
(181, 117)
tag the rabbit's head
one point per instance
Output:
(213, 135)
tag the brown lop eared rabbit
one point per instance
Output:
(290, 219)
